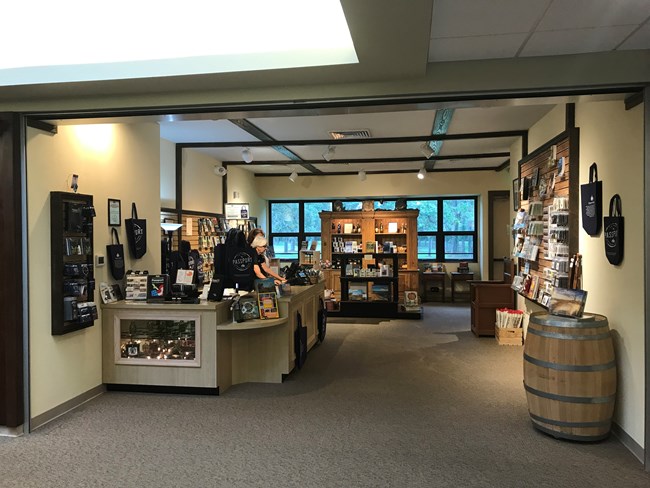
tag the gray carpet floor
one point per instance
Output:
(389, 404)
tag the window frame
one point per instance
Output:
(301, 234)
(439, 235)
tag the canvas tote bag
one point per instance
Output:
(115, 254)
(136, 234)
(591, 196)
(614, 231)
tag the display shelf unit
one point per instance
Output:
(403, 243)
(543, 270)
(204, 231)
(310, 258)
(72, 271)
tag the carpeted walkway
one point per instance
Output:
(393, 404)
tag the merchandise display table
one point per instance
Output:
(457, 277)
(434, 278)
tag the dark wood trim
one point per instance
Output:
(545, 146)
(492, 196)
(42, 125)
(574, 190)
(388, 172)
(12, 386)
(569, 116)
(634, 100)
(224, 190)
(646, 246)
(202, 214)
(409, 159)
(524, 145)
(179, 187)
(353, 142)
(255, 131)
(418, 99)
(502, 166)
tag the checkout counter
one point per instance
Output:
(197, 348)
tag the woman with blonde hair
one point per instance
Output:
(261, 268)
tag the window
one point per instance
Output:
(447, 226)
(292, 223)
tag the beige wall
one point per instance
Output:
(246, 185)
(396, 185)
(613, 137)
(112, 161)
(201, 187)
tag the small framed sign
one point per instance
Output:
(114, 212)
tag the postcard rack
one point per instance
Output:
(545, 232)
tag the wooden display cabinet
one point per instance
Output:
(373, 232)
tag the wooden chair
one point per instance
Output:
(487, 297)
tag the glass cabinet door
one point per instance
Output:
(157, 340)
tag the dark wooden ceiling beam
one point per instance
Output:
(255, 131)
(386, 172)
(409, 159)
(352, 142)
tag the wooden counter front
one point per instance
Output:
(227, 352)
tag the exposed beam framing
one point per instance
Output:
(387, 172)
(502, 166)
(41, 125)
(633, 100)
(378, 160)
(255, 131)
(350, 142)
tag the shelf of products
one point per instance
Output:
(73, 281)
(160, 340)
(397, 242)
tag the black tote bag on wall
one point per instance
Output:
(136, 234)
(115, 255)
(591, 196)
(614, 231)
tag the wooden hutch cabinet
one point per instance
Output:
(364, 235)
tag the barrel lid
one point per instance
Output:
(586, 320)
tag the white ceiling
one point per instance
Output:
(486, 29)
(394, 41)
(459, 30)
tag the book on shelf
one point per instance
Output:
(357, 292)
(380, 293)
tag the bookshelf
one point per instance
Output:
(374, 236)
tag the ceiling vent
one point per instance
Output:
(350, 134)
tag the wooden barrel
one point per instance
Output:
(570, 376)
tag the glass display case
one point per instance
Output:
(157, 340)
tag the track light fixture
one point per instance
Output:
(422, 173)
(426, 150)
(329, 154)
(362, 175)
(293, 176)
(247, 155)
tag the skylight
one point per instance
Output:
(79, 40)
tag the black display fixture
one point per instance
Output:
(73, 279)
